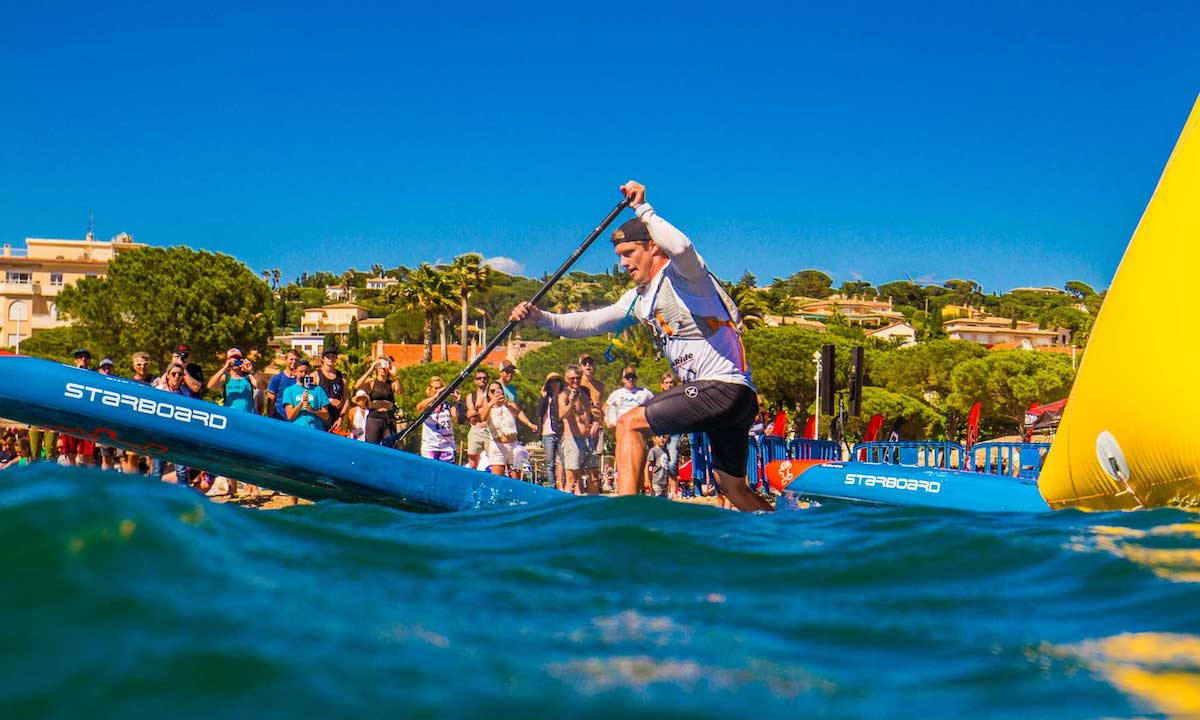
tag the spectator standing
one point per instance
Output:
(355, 419)
(108, 453)
(595, 441)
(304, 402)
(477, 437)
(656, 467)
(333, 382)
(238, 385)
(508, 372)
(437, 432)
(505, 453)
(174, 381)
(132, 462)
(665, 383)
(78, 450)
(549, 420)
(193, 377)
(280, 382)
(625, 398)
(758, 428)
(575, 409)
(382, 387)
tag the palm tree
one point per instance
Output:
(429, 291)
(266, 274)
(468, 274)
(750, 304)
(275, 275)
(377, 270)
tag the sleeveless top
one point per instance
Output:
(333, 388)
(502, 424)
(381, 390)
(239, 394)
(358, 430)
(437, 432)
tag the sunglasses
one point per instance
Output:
(481, 378)
(631, 377)
(175, 374)
(572, 378)
(139, 364)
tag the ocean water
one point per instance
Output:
(126, 598)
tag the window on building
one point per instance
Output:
(14, 339)
(52, 309)
(20, 278)
(18, 311)
(56, 280)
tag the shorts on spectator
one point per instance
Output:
(575, 452)
(512, 454)
(478, 439)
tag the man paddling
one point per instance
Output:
(695, 323)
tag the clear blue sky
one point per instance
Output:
(1014, 146)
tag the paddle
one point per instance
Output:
(398, 438)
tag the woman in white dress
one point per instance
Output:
(505, 453)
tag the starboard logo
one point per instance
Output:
(894, 483)
(145, 406)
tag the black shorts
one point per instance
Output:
(724, 411)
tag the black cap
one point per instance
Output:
(81, 351)
(331, 351)
(633, 230)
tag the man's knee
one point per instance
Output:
(633, 421)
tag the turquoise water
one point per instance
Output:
(128, 598)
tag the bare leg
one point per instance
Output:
(632, 429)
(739, 493)
(498, 469)
(571, 483)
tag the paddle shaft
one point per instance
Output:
(398, 438)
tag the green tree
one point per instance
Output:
(1079, 290)
(749, 301)
(469, 275)
(1006, 382)
(352, 339)
(862, 288)
(808, 283)
(430, 292)
(59, 344)
(152, 298)
(918, 420)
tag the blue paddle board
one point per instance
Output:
(251, 448)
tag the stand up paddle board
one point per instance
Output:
(251, 448)
(880, 484)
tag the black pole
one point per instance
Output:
(398, 438)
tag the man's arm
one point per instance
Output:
(614, 318)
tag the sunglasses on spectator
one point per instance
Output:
(481, 378)
(175, 373)
(631, 377)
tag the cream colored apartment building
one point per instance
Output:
(31, 277)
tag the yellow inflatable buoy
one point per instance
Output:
(1128, 438)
